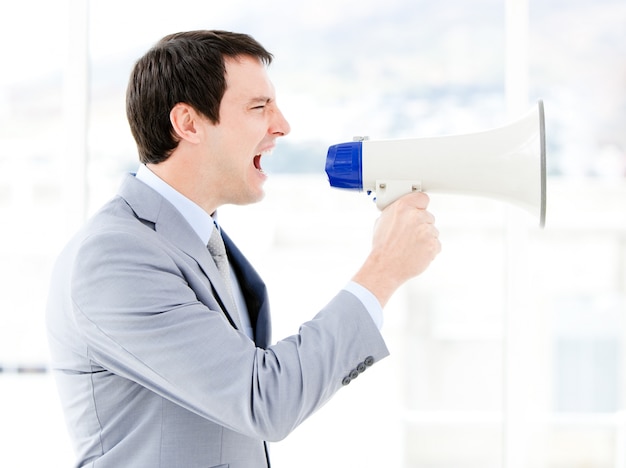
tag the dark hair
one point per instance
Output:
(186, 67)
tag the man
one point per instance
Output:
(160, 360)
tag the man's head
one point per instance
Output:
(203, 112)
(187, 67)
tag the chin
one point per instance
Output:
(259, 197)
(249, 198)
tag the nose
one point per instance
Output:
(280, 126)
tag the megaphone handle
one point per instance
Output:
(388, 191)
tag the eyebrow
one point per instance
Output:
(260, 100)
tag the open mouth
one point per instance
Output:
(257, 161)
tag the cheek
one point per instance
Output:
(246, 147)
(240, 144)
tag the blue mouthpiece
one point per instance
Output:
(344, 167)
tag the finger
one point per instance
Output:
(429, 230)
(418, 200)
(425, 217)
(435, 232)
(434, 238)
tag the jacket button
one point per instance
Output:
(361, 367)
(354, 374)
(369, 360)
(346, 381)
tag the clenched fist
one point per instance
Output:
(405, 242)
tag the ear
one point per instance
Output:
(185, 122)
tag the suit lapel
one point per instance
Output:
(150, 206)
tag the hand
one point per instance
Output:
(405, 242)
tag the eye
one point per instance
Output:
(260, 104)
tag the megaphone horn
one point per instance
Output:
(507, 163)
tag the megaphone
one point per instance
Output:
(507, 163)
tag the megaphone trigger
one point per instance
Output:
(388, 191)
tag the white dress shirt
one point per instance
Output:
(202, 223)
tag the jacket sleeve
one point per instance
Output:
(136, 307)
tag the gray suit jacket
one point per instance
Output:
(151, 368)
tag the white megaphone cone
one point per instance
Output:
(506, 163)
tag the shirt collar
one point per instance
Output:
(201, 222)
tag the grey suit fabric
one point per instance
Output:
(151, 369)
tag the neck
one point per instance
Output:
(185, 179)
